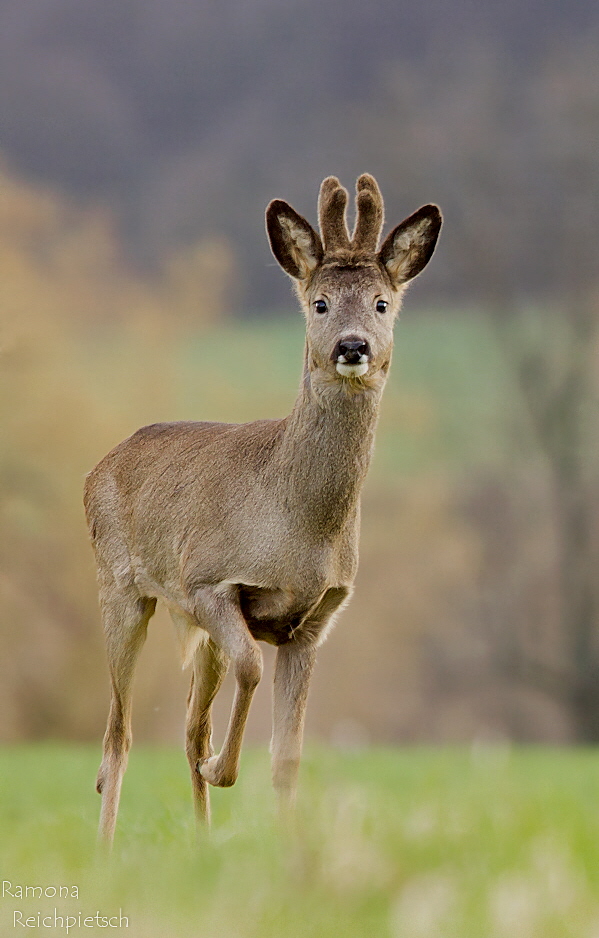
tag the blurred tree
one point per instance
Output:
(68, 392)
(187, 117)
(419, 568)
(517, 163)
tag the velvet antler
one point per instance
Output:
(370, 214)
(332, 203)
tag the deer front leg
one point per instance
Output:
(218, 611)
(209, 669)
(293, 670)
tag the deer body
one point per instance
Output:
(249, 532)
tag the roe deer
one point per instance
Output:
(249, 532)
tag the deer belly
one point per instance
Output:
(272, 615)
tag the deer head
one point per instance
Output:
(350, 289)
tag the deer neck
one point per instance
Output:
(326, 450)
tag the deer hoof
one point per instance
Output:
(214, 774)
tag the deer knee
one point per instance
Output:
(248, 668)
(118, 737)
(114, 761)
(198, 740)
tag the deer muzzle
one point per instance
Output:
(352, 357)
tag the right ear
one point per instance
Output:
(293, 241)
(409, 247)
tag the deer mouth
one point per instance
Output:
(352, 369)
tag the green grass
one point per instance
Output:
(406, 843)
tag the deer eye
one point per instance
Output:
(320, 306)
(381, 306)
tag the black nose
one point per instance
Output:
(351, 350)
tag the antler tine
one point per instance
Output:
(332, 203)
(370, 214)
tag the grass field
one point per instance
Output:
(411, 843)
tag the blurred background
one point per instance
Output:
(139, 145)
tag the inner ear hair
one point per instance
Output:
(294, 243)
(408, 248)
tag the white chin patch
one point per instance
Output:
(352, 371)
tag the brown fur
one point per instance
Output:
(332, 203)
(370, 215)
(249, 532)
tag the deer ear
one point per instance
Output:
(409, 247)
(293, 241)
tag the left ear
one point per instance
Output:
(409, 247)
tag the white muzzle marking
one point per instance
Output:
(352, 371)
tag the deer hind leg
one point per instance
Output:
(209, 668)
(217, 609)
(125, 623)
